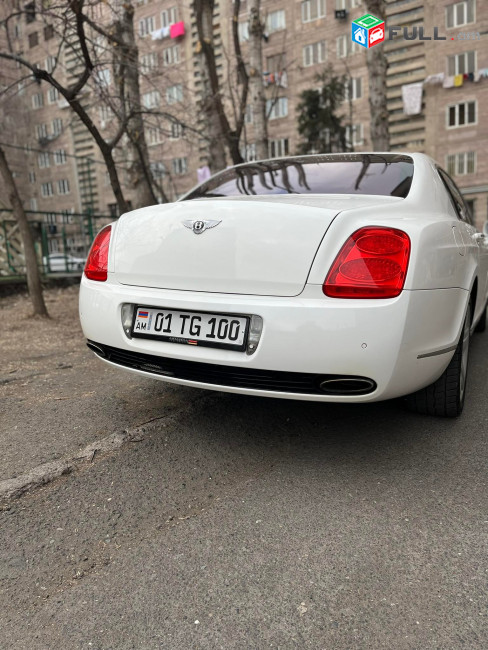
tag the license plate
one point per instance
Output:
(191, 328)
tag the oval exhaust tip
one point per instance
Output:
(347, 386)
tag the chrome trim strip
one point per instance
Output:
(437, 352)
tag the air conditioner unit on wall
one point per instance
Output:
(341, 14)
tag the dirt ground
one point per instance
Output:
(55, 395)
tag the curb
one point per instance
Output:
(43, 474)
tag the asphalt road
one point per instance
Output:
(243, 523)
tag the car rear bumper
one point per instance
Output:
(401, 344)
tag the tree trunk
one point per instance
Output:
(204, 17)
(126, 65)
(32, 270)
(256, 85)
(377, 68)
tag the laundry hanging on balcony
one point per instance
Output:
(412, 98)
(177, 29)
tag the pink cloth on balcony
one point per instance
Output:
(177, 29)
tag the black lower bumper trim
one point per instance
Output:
(232, 376)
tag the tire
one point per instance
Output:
(481, 324)
(445, 397)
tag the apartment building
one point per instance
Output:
(64, 169)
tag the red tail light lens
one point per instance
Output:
(372, 264)
(96, 266)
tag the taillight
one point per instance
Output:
(372, 264)
(97, 262)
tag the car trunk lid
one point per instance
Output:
(260, 245)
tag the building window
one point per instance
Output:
(461, 114)
(174, 94)
(151, 99)
(353, 89)
(41, 131)
(314, 53)
(341, 46)
(30, 12)
(63, 186)
(243, 31)
(33, 39)
(104, 77)
(60, 157)
(106, 113)
(146, 26)
(248, 116)
(52, 95)
(169, 17)
(176, 130)
(57, 126)
(32, 177)
(33, 205)
(171, 55)
(180, 166)
(345, 47)
(312, 9)
(460, 13)
(275, 21)
(276, 63)
(352, 4)
(153, 136)
(44, 160)
(354, 134)
(248, 152)
(17, 32)
(149, 62)
(50, 63)
(276, 108)
(37, 100)
(112, 209)
(47, 189)
(461, 63)
(278, 148)
(459, 164)
(48, 32)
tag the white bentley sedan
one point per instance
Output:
(334, 278)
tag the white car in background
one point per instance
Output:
(58, 262)
(332, 278)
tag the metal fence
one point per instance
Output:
(62, 241)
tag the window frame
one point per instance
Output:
(280, 27)
(458, 203)
(306, 8)
(144, 24)
(456, 106)
(271, 106)
(454, 6)
(456, 59)
(316, 49)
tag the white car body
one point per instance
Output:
(269, 256)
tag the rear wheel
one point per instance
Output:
(481, 324)
(445, 397)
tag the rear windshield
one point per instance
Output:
(386, 175)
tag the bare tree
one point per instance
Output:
(75, 30)
(221, 129)
(256, 84)
(32, 270)
(377, 69)
(125, 53)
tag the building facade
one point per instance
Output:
(60, 167)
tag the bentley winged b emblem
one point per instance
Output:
(198, 225)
